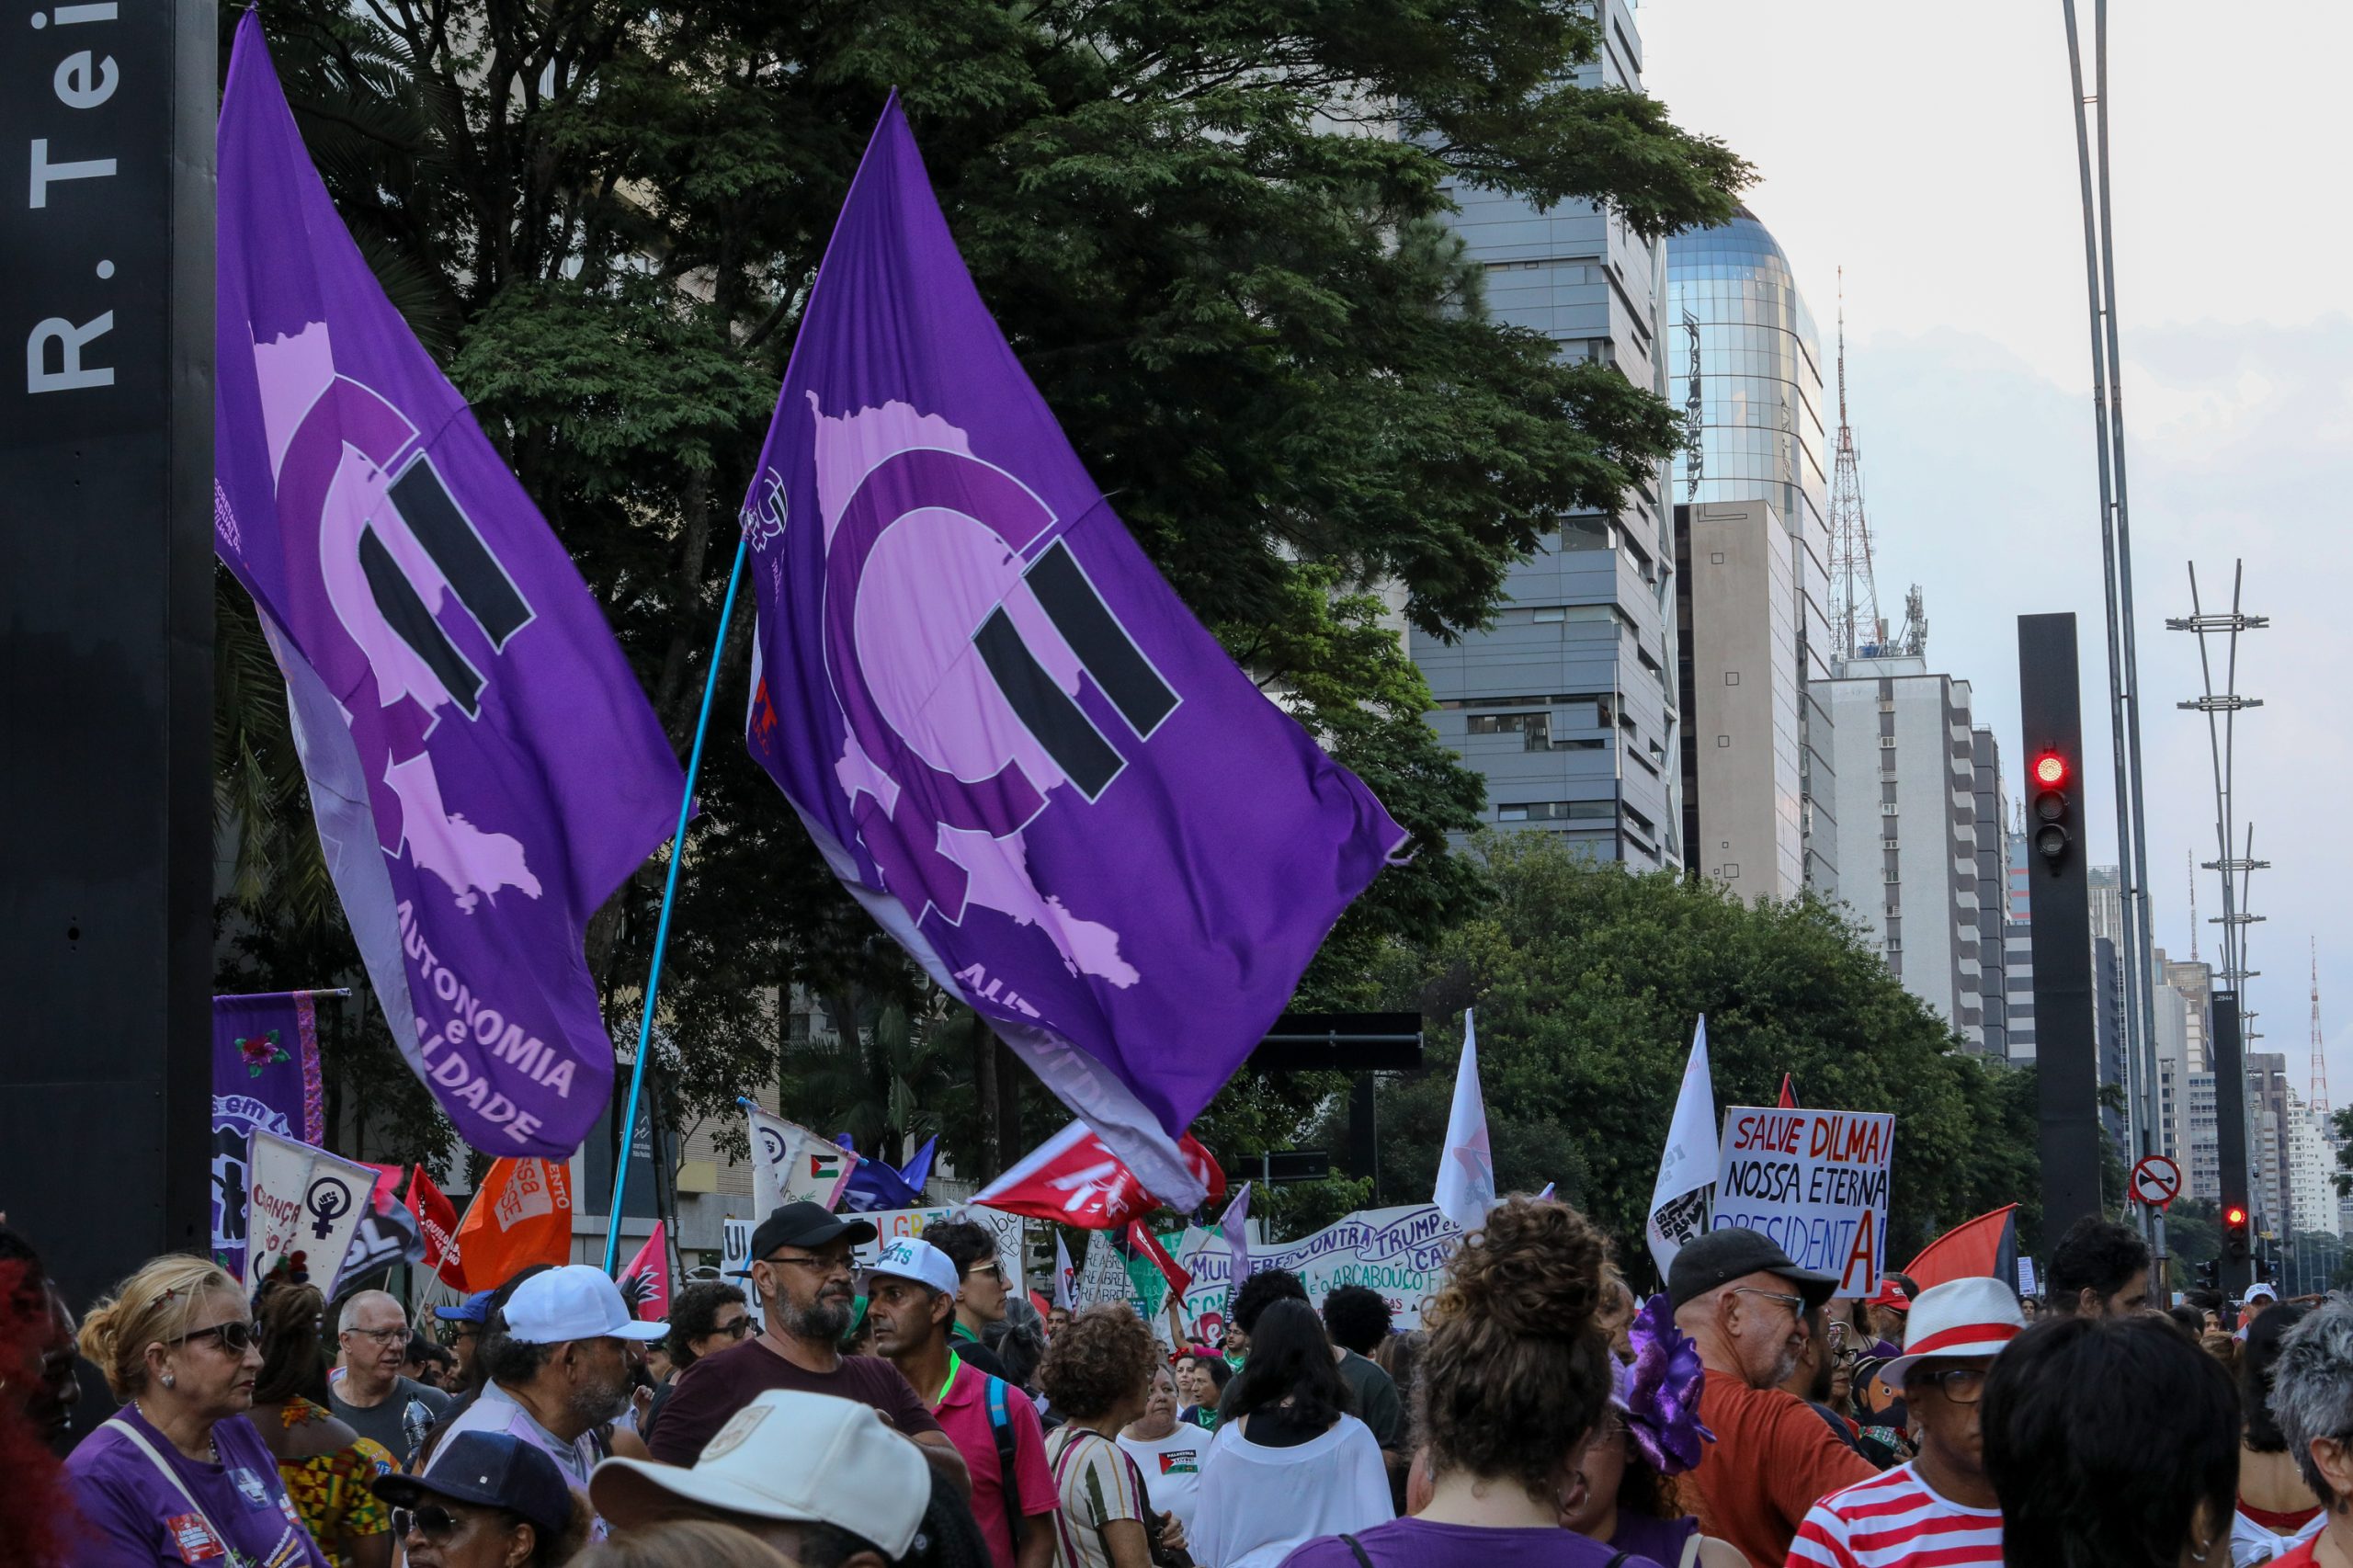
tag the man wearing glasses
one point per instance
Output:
(1745, 1304)
(803, 1268)
(372, 1396)
(980, 1293)
(1939, 1507)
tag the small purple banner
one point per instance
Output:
(484, 766)
(264, 1074)
(1009, 736)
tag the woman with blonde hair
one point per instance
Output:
(179, 1475)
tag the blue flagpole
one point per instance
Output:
(670, 891)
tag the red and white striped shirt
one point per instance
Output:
(1894, 1519)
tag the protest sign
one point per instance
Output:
(1400, 1252)
(894, 1222)
(789, 1162)
(300, 1199)
(1813, 1181)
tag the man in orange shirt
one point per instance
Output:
(1744, 1304)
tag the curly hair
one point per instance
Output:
(2095, 1254)
(1517, 1372)
(1102, 1357)
(966, 1243)
(694, 1315)
(1261, 1291)
(293, 1360)
(1359, 1318)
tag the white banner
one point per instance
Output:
(789, 1162)
(1687, 1166)
(1400, 1252)
(300, 1199)
(1813, 1181)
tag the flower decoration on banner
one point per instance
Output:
(260, 1051)
(1660, 1392)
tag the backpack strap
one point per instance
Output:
(1009, 1479)
(1356, 1547)
(138, 1440)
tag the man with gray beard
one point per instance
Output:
(559, 1359)
(803, 1268)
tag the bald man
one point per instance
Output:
(371, 1395)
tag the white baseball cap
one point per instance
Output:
(575, 1301)
(907, 1258)
(805, 1458)
(2260, 1291)
(1960, 1318)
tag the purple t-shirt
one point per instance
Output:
(133, 1517)
(1419, 1543)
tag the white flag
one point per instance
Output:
(1686, 1166)
(790, 1163)
(300, 1198)
(1466, 1170)
(1065, 1277)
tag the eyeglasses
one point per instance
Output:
(845, 1264)
(1795, 1303)
(382, 1336)
(735, 1330)
(236, 1336)
(450, 1333)
(1960, 1385)
(994, 1268)
(433, 1522)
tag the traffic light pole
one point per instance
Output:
(2230, 1140)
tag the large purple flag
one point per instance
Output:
(1009, 738)
(264, 1074)
(483, 764)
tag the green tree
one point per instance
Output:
(1210, 230)
(1588, 981)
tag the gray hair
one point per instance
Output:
(349, 1319)
(2311, 1386)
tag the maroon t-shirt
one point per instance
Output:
(718, 1386)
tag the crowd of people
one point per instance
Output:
(913, 1410)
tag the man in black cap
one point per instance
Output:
(803, 1268)
(1744, 1304)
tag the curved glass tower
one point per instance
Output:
(1743, 363)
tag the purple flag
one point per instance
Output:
(483, 764)
(1009, 736)
(264, 1074)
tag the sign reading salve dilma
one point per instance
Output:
(1813, 1181)
(107, 112)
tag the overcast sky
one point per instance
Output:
(1930, 151)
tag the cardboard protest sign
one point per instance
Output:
(1400, 1252)
(300, 1199)
(1814, 1181)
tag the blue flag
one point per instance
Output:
(874, 1186)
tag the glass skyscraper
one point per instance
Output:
(1743, 362)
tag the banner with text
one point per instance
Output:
(1816, 1182)
(1400, 1252)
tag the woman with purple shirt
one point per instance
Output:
(1651, 1435)
(1515, 1380)
(180, 1476)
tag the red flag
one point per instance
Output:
(437, 1222)
(521, 1216)
(1789, 1095)
(645, 1283)
(1074, 1180)
(1145, 1245)
(1988, 1245)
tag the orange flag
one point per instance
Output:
(521, 1216)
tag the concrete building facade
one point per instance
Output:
(1567, 704)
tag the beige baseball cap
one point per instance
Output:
(803, 1458)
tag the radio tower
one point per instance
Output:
(2320, 1056)
(1856, 629)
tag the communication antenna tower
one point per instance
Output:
(1856, 628)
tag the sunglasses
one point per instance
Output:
(433, 1522)
(236, 1336)
(737, 1329)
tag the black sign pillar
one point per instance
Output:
(107, 112)
(2066, 1050)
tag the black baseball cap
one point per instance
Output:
(489, 1470)
(807, 1224)
(1721, 1257)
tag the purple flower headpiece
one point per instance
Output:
(1660, 1392)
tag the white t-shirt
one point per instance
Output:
(1172, 1469)
(494, 1409)
(1256, 1503)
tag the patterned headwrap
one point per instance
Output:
(1660, 1392)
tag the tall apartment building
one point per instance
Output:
(2312, 1171)
(2107, 1039)
(1567, 704)
(1737, 664)
(1743, 359)
(2272, 1106)
(1992, 826)
(2018, 948)
(1905, 761)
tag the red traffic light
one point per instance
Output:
(2234, 1217)
(2051, 770)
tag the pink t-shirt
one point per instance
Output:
(964, 1417)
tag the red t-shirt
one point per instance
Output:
(964, 1417)
(1772, 1460)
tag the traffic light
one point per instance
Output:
(2209, 1274)
(2051, 780)
(2234, 1238)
